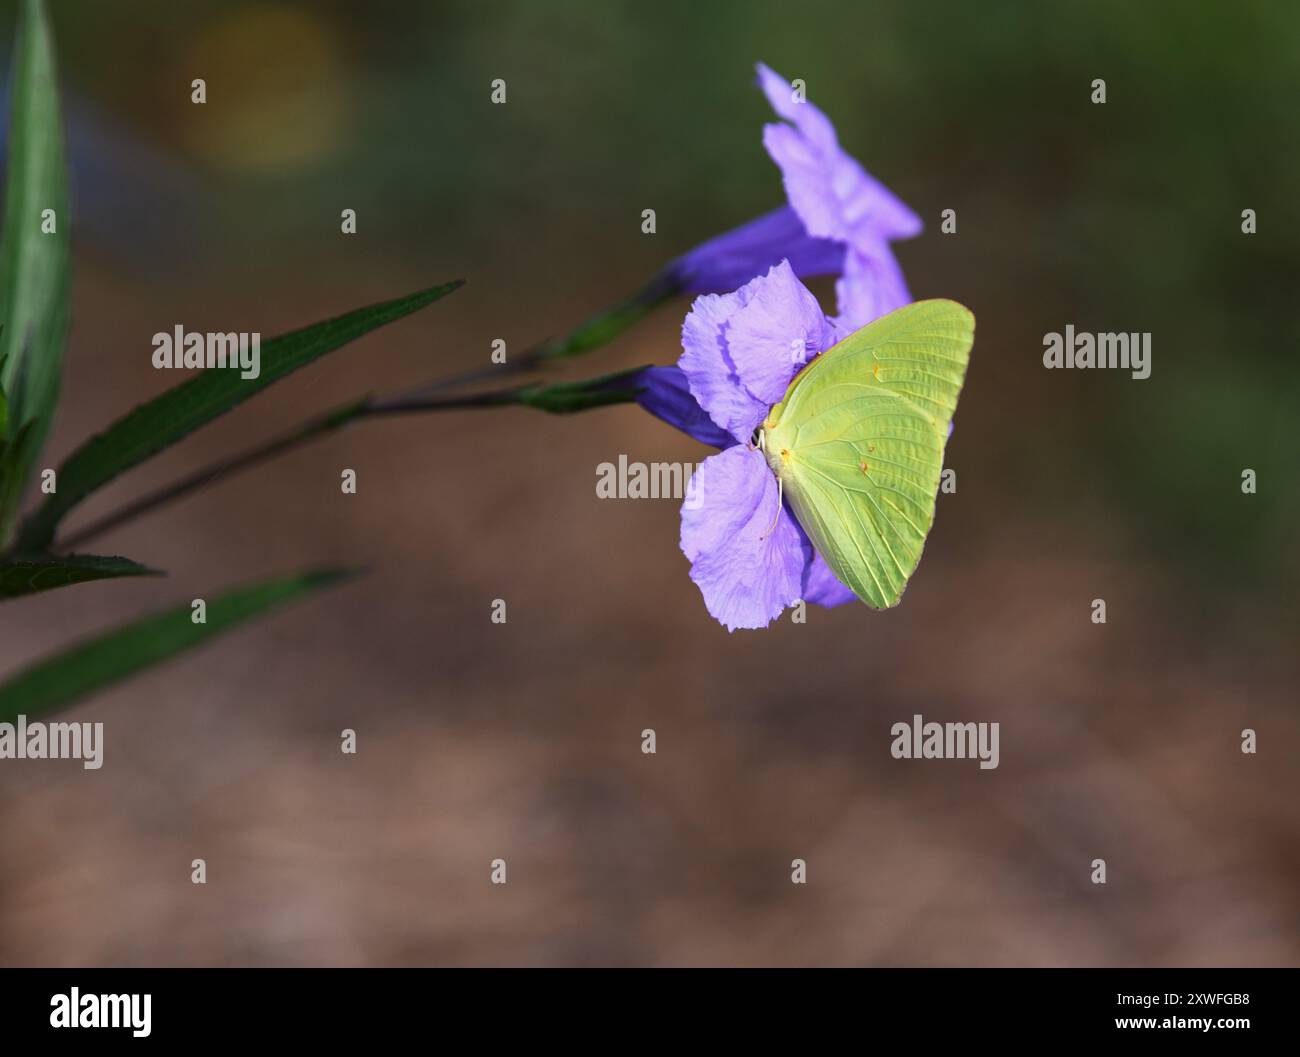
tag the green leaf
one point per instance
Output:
(34, 264)
(179, 411)
(99, 662)
(4, 409)
(30, 574)
(15, 452)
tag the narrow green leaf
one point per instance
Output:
(4, 403)
(179, 411)
(16, 451)
(99, 662)
(30, 573)
(34, 258)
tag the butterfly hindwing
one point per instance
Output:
(858, 443)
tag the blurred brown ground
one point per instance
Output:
(522, 741)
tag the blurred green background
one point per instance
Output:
(1119, 741)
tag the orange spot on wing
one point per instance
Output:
(863, 466)
(875, 371)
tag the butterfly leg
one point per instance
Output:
(780, 498)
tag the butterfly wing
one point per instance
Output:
(919, 351)
(858, 443)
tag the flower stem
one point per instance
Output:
(295, 438)
(598, 330)
(594, 332)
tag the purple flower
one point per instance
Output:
(840, 220)
(749, 556)
(837, 199)
(742, 349)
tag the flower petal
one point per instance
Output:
(775, 333)
(666, 394)
(807, 118)
(805, 173)
(822, 587)
(833, 194)
(739, 349)
(872, 286)
(710, 372)
(735, 257)
(747, 552)
(870, 209)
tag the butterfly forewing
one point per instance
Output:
(919, 351)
